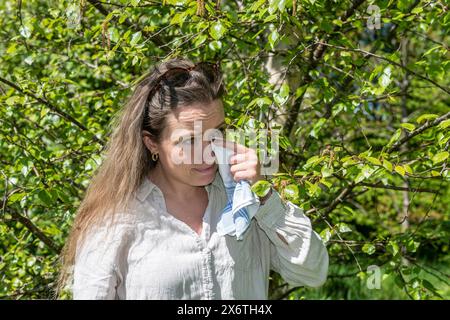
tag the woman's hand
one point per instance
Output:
(245, 164)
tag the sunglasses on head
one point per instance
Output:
(179, 76)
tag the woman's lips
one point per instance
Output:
(206, 170)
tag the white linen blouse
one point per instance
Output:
(150, 254)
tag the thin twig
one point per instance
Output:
(367, 53)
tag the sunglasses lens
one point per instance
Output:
(209, 70)
(176, 77)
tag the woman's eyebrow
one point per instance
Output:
(191, 133)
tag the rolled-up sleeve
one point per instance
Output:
(99, 264)
(303, 259)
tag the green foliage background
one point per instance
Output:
(364, 113)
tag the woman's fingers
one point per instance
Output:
(247, 170)
(235, 147)
(239, 167)
(241, 175)
(244, 162)
(241, 157)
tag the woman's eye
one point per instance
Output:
(188, 140)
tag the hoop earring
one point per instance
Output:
(155, 156)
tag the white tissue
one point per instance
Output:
(242, 203)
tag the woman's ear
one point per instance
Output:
(149, 142)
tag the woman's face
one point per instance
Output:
(184, 149)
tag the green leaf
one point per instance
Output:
(285, 143)
(178, 18)
(135, 38)
(385, 79)
(435, 173)
(215, 45)
(45, 197)
(281, 4)
(16, 197)
(269, 19)
(417, 10)
(284, 90)
(374, 161)
(313, 188)
(387, 165)
(273, 6)
(122, 18)
(217, 30)
(398, 281)
(12, 49)
(261, 187)
(326, 235)
(408, 126)
(400, 170)
(317, 127)
(63, 196)
(134, 3)
(439, 157)
(291, 192)
(392, 247)
(348, 161)
(444, 124)
(314, 160)
(367, 171)
(403, 4)
(368, 248)
(426, 117)
(343, 228)
(273, 38)
(326, 183)
(408, 168)
(25, 31)
(114, 35)
(200, 39)
(282, 96)
(31, 261)
(11, 101)
(256, 5)
(337, 22)
(430, 287)
(360, 177)
(326, 171)
(412, 245)
(395, 137)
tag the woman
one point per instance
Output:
(147, 226)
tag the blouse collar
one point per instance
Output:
(147, 186)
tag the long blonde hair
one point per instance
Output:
(127, 160)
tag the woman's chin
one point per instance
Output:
(205, 176)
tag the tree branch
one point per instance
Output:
(314, 58)
(382, 186)
(34, 230)
(154, 38)
(418, 131)
(333, 204)
(52, 107)
(367, 53)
